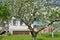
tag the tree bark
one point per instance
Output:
(7, 27)
(52, 34)
(33, 37)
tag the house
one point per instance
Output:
(19, 29)
(15, 27)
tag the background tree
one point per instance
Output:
(5, 14)
(54, 18)
(53, 15)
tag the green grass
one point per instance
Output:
(39, 37)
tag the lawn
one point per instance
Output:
(39, 37)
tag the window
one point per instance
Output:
(21, 22)
(14, 22)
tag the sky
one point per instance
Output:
(58, 1)
(2, 1)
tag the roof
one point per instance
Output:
(19, 28)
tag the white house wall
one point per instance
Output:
(17, 27)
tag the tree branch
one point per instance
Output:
(53, 22)
(39, 30)
(54, 29)
(48, 25)
(29, 26)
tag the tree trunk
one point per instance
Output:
(33, 37)
(7, 27)
(52, 34)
